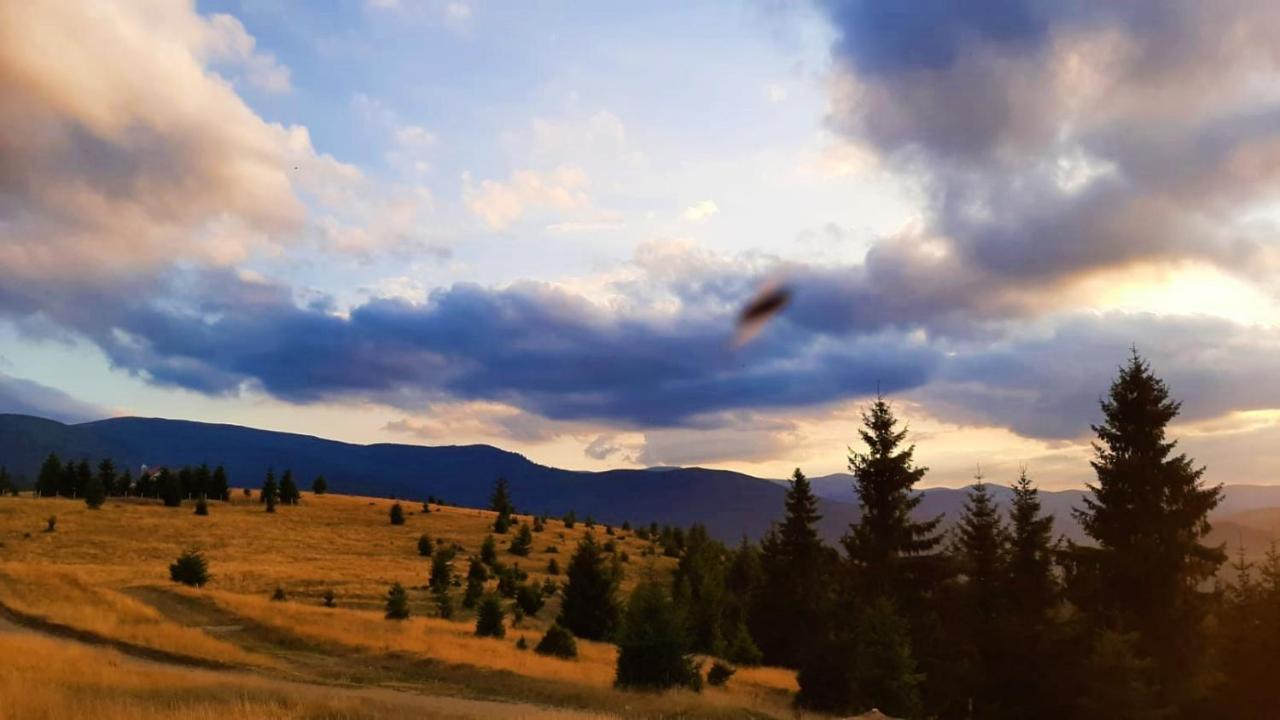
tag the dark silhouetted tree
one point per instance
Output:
(320, 486)
(94, 493)
(107, 476)
(529, 599)
(190, 569)
(270, 493)
(289, 494)
(219, 485)
(397, 602)
(489, 551)
(500, 502)
(124, 483)
(476, 577)
(49, 477)
(202, 506)
(653, 650)
(397, 514)
(979, 549)
(441, 570)
(169, 488)
(1148, 513)
(425, 546)
(489, 618)
(522, 543)
(590, 607)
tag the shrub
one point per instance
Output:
(95, 493)
(444, 604)
(397, 603)
(551, 549)
(529, 599)
(553, 567)
(328, 598)
(570, 519)
(522, 644)
(549, 587)
(426, 508)
(319, 486)
(51, 524)
(476, 577)
(719, 674)
(489, 618)
(626, 525)
(558, 642)
(397, 514)
(538, 525)
(610, 547)
(190, 569)
(278, 595)
(202, 506)
(425, 545)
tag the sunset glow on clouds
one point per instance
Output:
(533, 225)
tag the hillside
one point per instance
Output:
(101, 579)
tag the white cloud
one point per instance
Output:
(700, 211)
(500, 204)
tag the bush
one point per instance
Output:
(328, 598)
(397, 603)
(549, 587)
(190, 569)
(570, 520)
(538, 525)
(51, 524)
(489, 618)
(319, 486)
(558, 642)
(529, 598)
(425, 546)
(553, 567)
(719, 674)
(488, 551)
(202, 507)
(426, 508)
(278, 595)
(522, 644)
(397, 514)
(444, 604)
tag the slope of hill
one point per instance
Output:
(729, 504)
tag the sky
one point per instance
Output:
(532, 224)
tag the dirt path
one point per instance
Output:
(412, 704)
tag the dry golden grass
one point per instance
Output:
(42, 678)
(61, 597)
(99, 570)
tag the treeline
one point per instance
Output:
(80, 479)
(990, 619)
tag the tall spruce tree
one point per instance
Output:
(107, 476)
(698, 589)
(590, 607)
(169, 488)
(884, 480)
(653, 650)
(476, 577)
(320, 486)
(94, 493)
(289, 494)
(49, 477)
(270, 493)
(6, 481)
(796, 571)
(219, 485)
(500, 502)
(124, 483)
(1148, 513)
(980, 553)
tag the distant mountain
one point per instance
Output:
(730, 504)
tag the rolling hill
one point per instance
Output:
(730, 504)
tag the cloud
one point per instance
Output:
(1056, 142)
(501, 203)
(27, 397)
(700, 211)
(602, 447)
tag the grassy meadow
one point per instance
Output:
(102, 576)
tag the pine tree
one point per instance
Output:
(489, 551)
(529, 599)
(557, 642)
(441, 570)
(1030, 647)
(124, 483)
(980, 552)
(1250, 640)
(202, 483)
(489, 618)
(742, 582)
(49, 477)
(219, 485)
(320, 486)
(698, 590)
(500, 502)
(874, 668)
(476, 577)
(397, 602)
(396, 514)
(884, 479)
(202, 506)
(83, 473)
(289, 494)
(1148, 513)
(425, 546)
(270, 493)
(787, 612)
(169, 488)
(190, 569)
(94, 493)
(653, 650)
(6, 481)
(522, 544)
(590, 608)
(107, 476)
